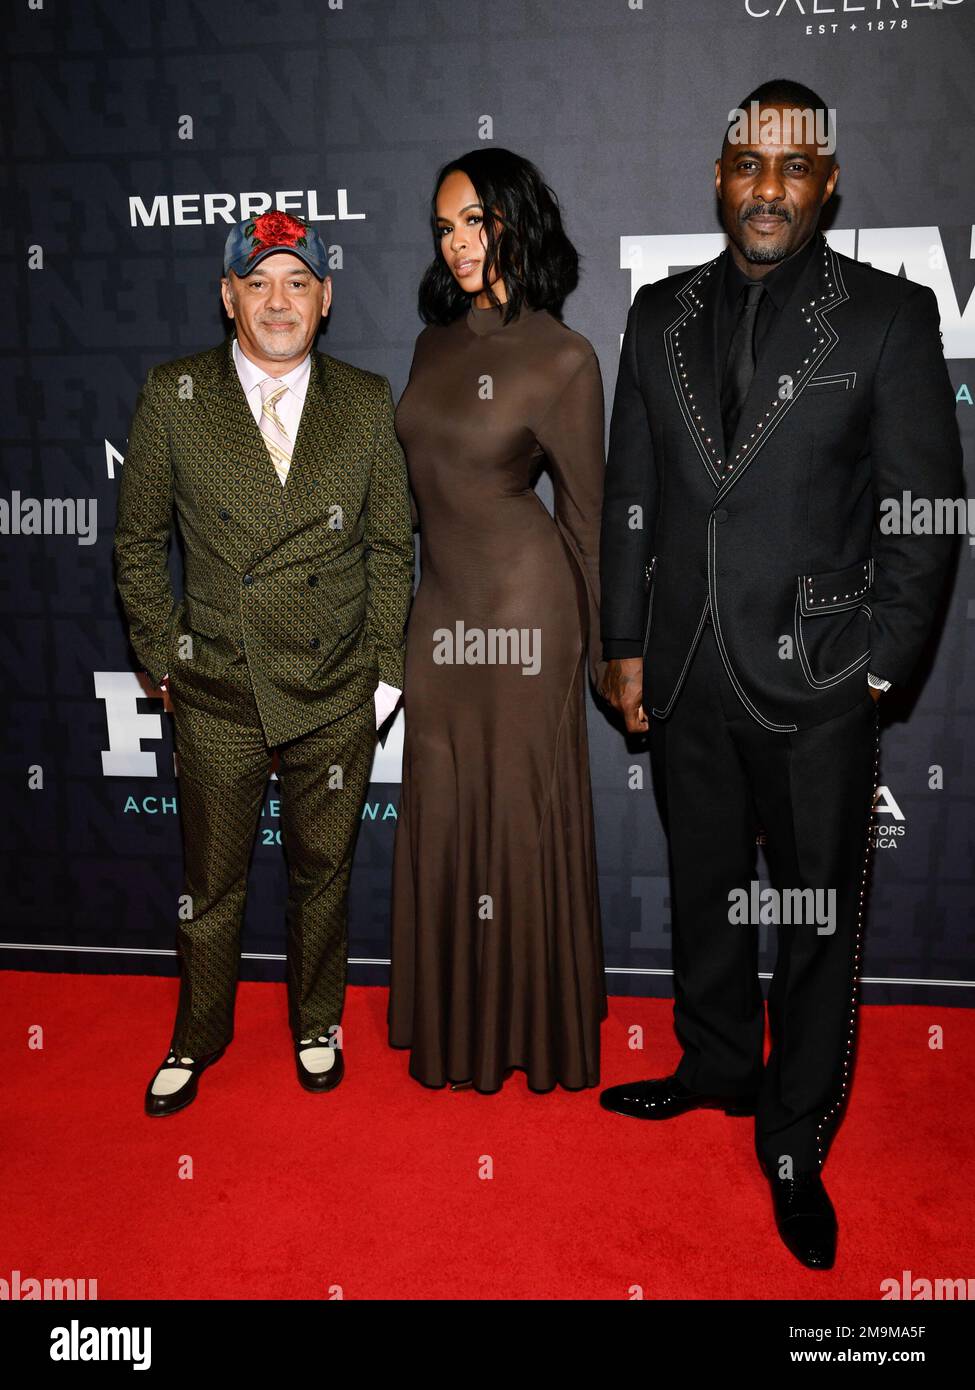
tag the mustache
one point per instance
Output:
(765, 210)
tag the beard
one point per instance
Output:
(766, 251)
(277, 344)
(764, 254)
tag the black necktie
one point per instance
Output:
(740, 363)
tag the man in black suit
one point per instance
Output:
(753, 613)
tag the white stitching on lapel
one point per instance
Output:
(677, 374)
(774, 415)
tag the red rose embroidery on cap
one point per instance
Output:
(274, 229)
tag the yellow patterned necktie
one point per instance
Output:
(274, 433)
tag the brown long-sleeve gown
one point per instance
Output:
(497, 954)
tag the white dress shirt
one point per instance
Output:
(289, 410)
(290, 405)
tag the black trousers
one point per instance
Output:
(720, 778)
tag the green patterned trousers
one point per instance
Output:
(224, 763)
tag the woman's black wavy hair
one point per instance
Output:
(535, 259)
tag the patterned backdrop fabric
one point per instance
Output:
(134, 135)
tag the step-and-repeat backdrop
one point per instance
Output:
(133, 134)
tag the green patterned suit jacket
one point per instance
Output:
(308, 584)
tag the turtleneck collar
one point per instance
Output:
(483, 321)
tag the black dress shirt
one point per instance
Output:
(779, 285)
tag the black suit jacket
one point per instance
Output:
(850, 403)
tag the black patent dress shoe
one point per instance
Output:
(184, 1095)
(805, 1218)
(668, 1096)
(318, 1080)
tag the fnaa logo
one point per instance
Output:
(890, 824)
(133, 730)
(916, 252)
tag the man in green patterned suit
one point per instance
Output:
(289, 491)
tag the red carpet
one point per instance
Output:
(375, 1190)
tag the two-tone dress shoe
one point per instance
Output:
(668, 1096)
(320, 1065)
(805, 1218)
(175, 1084)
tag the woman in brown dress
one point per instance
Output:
(497, 955)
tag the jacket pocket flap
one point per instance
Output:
(817, 385)
(202, 618)
(834, 590)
